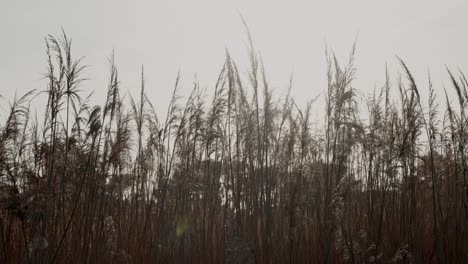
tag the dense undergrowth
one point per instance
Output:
(234, 174)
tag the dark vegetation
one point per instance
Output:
(240, 177)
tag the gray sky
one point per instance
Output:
(192, 36)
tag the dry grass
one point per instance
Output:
(238, 177)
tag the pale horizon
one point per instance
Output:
(291, 37)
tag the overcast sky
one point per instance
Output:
(192, 36)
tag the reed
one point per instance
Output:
(234, 173)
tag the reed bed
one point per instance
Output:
(234, 174)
